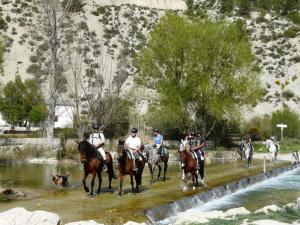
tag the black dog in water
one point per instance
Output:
(60, 180)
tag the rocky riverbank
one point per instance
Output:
(268, 215)
(20, 216)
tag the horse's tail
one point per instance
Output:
(110, 166)
(67, 175)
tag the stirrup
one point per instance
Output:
(104, 168)
(135, 169)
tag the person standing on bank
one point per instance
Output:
(97, 139)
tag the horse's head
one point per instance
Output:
(83, 149)
(183, 154)
(146, 151)
(121, 149)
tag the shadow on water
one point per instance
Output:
(73, 204)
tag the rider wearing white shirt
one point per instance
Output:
(97, 139)
(133, 144)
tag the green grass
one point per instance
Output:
(286, 146)
(286, 216)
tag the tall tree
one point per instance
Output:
(52, 26)
(202, 70)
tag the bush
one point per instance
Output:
(289, 117)
(3, 24)
(288, 94)
(75, 6)
(295, 18)
(291, 32)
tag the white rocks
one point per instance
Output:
(190, 217)
(90, 222)
(134, 223)
(236, 212)
(269, 208)
(20, 216)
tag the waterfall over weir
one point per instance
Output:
(164, 211)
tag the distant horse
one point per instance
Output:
(126, 168)
(273, 149)
(188, 165)
(92, 164)
(246, 150)
(153, 160)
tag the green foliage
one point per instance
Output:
(259, 127)
(294, 17)
(289, 117)
(73, 5)
(21, 102)
(2, 50)
(203, 68)
(291, 32)
(283, 7)
(3, 24)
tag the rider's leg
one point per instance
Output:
(102, 152)
(136, 157)
(198, 157)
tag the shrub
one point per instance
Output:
(74, 5)
(3, 24)
(291, 32)
(289, 117)
(294, 17)
(288, 94)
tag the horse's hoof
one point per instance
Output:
(98, 193)
(164, 179)
(185, 189)
(87, 190)
(194, 188)
(90, 195)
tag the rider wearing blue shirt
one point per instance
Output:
(158, 141)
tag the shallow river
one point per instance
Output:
(73, 204)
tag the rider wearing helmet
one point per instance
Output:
(133, 143)
(193, 143)
(158, 141)
(97, 139)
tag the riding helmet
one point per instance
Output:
(95, 126)
(134, 130)
(156, 130)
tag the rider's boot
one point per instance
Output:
(134, 165)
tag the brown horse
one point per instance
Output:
(92, 164)
(126, 168)
(188, 165)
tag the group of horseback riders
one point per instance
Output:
(133, 144)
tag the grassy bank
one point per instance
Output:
(286, 146)
(286, 216)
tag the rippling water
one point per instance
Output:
(279, 190)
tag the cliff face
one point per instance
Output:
(108, 33)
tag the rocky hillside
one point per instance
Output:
(108, 33)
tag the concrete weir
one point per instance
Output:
(170, 209)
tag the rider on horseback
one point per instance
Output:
(97, 139)
(196, 144)
(158, 142)
(133, 144)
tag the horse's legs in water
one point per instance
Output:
(201, 170)
(121, 184)
(159, 171)
(151, 169)
(131, 182)
(93, 182)
(165, 169)
(84, 182)
(100, 181)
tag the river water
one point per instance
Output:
(73, 204)
(279, 190)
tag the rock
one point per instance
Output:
(269, 208)
(134, 223)
(20, 216)
(90, 222)
(290, 206)
(190, 217)
(237, 211)
(10, 194)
